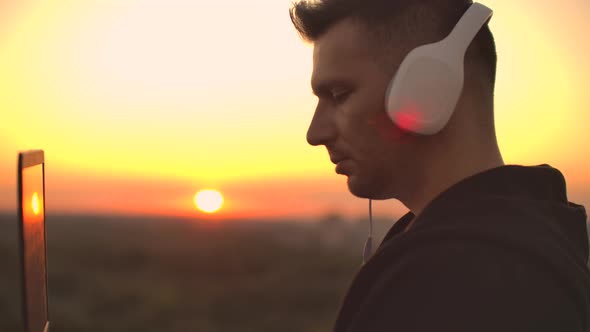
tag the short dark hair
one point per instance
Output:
(392, 24)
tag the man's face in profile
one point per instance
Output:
(350, 118)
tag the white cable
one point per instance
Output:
(369, 243)
(370, 218)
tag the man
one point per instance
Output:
(486, 246)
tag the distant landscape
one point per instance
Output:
(166, 274)
(158, 274)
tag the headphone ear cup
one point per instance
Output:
(423, 94)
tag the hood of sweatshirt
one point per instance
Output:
(521, 213)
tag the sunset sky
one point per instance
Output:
(139, 104)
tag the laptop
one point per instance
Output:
(32, 243)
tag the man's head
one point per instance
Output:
(358, 46)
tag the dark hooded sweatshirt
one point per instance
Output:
(502, 250)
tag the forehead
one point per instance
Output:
(341, 50)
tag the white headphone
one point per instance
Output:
(424, 92)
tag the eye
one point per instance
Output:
(339, 96)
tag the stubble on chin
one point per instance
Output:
(371, 186)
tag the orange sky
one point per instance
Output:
(139, 104)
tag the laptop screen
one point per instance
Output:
(32, 239)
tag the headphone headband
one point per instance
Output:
(468, 26)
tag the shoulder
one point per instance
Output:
(461, 280)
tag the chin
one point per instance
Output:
(364, 187)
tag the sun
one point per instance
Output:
(208, 200)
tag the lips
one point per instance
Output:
(336, 159)
(343, 167)
(341, 163)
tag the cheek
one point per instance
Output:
(366, 137)
(357, 129)
(387, 131)
(366, 127)
(362, 116)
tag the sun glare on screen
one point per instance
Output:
(209, 201)
(35, 203)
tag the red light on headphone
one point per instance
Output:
(408, 118)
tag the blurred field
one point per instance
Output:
(122, 274)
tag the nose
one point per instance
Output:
(322, 129)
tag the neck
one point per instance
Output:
(447, 167)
